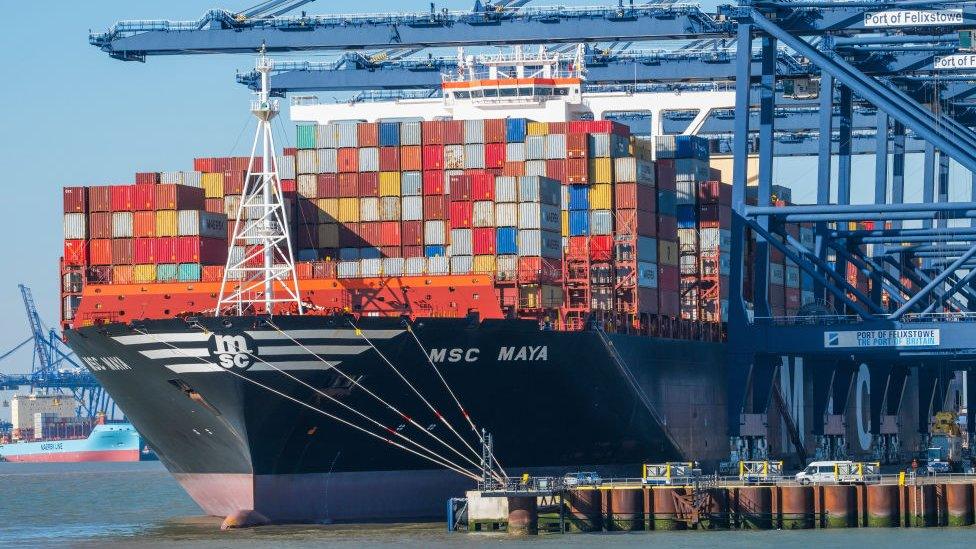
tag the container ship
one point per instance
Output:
(501, 261)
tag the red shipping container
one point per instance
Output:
(435, 207)
(287, 185)
(212, 205)
(556, 169)
(483, 241)
(100, 199)
(668, 278)
(433, 157)
(348, 185)
(290, 151)
(390, 233)
(122, 251)
(144, 251)
(637, 223)
(460, 187)
(597, 126)
(371, 233)
(453, 132)
(711, 216)
(234, 182)
(411, 158)
(253, 256)
(369, 184)
(539, 270)
(368, 134)
(432, 133)
(433, 183)
(390, 251)
(76, 252)
(514, 169)
(578, 247)
(212, 273)
(494, 155)
(327, 185)
(147, 178)
(412, 233)
(711, 192)
(194, 249)
(143, 197)
(75, 199)
(100, 251)
(665, 175)
(495, 130)
(389, 159)
(462, 214)
(577, 170)
(482, 186)
(669, 303)
(100, 225)
(179, 197)
(144, 223)
(413, 251)
(205, 164)
(348, 160)
(166, 249)
(122, 198)
(577, 145)
(631, 196)
(601, 247)
(558, 127)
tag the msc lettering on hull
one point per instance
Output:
(105, 363)
(525, 353)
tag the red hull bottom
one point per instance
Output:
(75, 457)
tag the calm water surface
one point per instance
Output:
(139, 504)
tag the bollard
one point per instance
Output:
(796, 507)
(754, 507)
(523, 516)
(665, 510)
(883, 505)
(626, 510)
(584, 510)
(959, 504)
(840, 506)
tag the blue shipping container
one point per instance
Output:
(579, 197)
(308, 254)
(506, 241)
(389, 134)
(579, 223)
(348, 254)
(189, 272)
(370, 253)
(515, 130)
(434, 251)
(687, 215)
(667, 202)
(691, 146)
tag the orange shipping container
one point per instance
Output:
(514, 169)
(368, 134)
(100, 251)
(144, 224)
(212, 273)
(122, 274)
(410, 158)
(348, 160)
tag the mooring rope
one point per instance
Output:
(323, 412)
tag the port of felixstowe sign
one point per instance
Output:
(881, 338)
(965, 61)
(913, 18)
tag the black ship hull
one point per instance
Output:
(553, 401)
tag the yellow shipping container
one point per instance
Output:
(144, 273)
(483, 264)
(565, 222)
(529, 296)
(537, 128)
(213, 185)
(328, 210)
(601, 196)
(348, 210)
(329, 235)
(389, 183)
(601, 170)
(167, 223)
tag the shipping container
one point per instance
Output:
(179, 197)
(667, 254)
(75, 226)
(435, 250)
(348, 210)
(533, 215)
(122, 251)
(495, 155)
(122, 225)
(539, 189)
(412, 208)
(515, 129)
(411, 184)
(411, 158)
(121, 198)
(533, 242)
(435, 233)
(461, 242)
(327, 161)
(389, 184)
(579, 223)
(453, 157)
(100, 225)
(461, 214)
(483, 214)
(410, 133)
(600, 170)
(506, 241)
(601, 222)
(461, 264)
(633, 170)
(389, 134)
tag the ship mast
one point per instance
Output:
(265, 272)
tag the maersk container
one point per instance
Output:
(414, 266)
(646, 274)
(305, 137)
(167, 272)
(198, 223)
(369, 209)
(515, 129)
(410, 133)
(461, 264)
(555, 146)
(533, 215)
(506, 189)
(535, 147)
(389, 134)
(579, 223)
(327, 161)
(474, 131)
(474, 156)
(579, 198)
(75, 225)
(122, 225)
(453, 157)
(506, 241)
(536, 243)
(411, 183)
(438, 265)
(601, 222)
(348, 269)
(606, 145)
(435, 233)
(412, 208)
(188, 272)
(506, 214)
(461, 243)
(515, 152)
(484, 214)
(539, 189)
(393, 266)
(535, 168)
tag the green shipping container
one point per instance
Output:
(189, 272)
(166, 272)
(306, 137)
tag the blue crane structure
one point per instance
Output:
(55, 367)
(893, 79)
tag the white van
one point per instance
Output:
(820, 472)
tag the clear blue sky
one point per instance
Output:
(77, 117)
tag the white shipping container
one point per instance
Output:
(369, 159)
(564, 197)
(601, 222)
(461, 264)
(646, 274)
(393, 266)
(414, 266)
(633, 170)
(539, 189)
(438, 265)
(453, 157)
(555, 146)
(122, 225)
(434, 233)
(792, 276)
(506, 214)
(716, 239)
(535, 147)
(199, 223)
(75, 226)
(686, 192)
(515, 152)
(286, 166)
(461, 242)
(599, 145)
(484, 213)
(535, 168)
(307, 161)
(371, 267)
(327, 136)
(506, 189)
(410, 133)
(171, 178)
(411, 183)
(307, 185)
(474, 156)
(232, 206)
(348, 135)
(533, 242)
(348, 269)
(327, 160)
(412, 208)
(390, 208)
(506, 267)
(474, 131)
(369, 209)
(190, 179)
(533, 215)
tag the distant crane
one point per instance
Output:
(55, 368)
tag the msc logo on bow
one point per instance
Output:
(233, 352)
